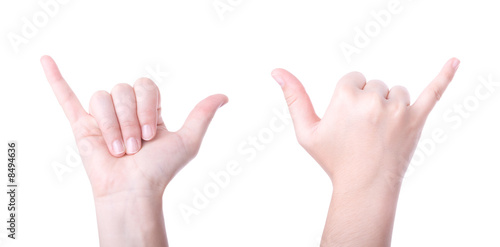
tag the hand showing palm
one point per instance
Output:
(110, 137)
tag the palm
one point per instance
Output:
(152, 167)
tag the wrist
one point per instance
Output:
(361, 217)
(130, 219)
(377, 182)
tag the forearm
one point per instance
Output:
(363, 218)
(129, 220)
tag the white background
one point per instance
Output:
(281, 197)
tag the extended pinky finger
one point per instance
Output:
(433, 92)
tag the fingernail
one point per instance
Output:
(279, 80)
(118, 147)
(222, 104)
(455, 64)
(147, 132)
(132, 145)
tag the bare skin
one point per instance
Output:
(129, 155)
(364, 142)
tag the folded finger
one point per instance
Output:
(399, 94)
(126, 111)
(147, 98)
(102, 109)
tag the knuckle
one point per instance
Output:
(85, 131)
(144, 83)
(374, 100)
(97, 99)
(437, 93)
(109, 125)
(99, 95)
(447, 77)
(67, 96)
(401, 88)
(350, 79)
(344, 94)
(123, 113)
(355, 74)
(147, 113)
(377, 83)
(145, 90)
(349, 76)
(128, 124)
(120, 88)
(124, 104)
(342, 86)
(291, 99)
